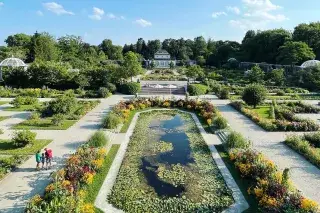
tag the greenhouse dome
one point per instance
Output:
(232, 60)
(12, 62)
(310, 63)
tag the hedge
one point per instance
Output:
(130, 88)
(197, 89)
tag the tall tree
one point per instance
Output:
(294, 52)
(256, 75)
(18, 40)
(43, 47)
(113, 52)
(131, 65)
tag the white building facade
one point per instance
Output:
(162, 59)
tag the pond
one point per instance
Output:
(168, 167)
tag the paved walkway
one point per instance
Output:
(304, 175)
(17, 188)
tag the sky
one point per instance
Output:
(124, 21)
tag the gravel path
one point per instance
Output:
(18, 187)
(304, 175)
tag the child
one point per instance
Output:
(38, 160)
(43, 159)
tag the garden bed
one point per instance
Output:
(8, 148)
(9, 163)
(308, 145)
(44, 124)
(169, 167)
(282, 119)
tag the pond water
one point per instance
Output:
(169, 130)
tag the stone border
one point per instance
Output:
(101, 202)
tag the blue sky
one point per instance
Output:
(124, 21)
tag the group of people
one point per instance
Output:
(44, 158)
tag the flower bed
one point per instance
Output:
(272, 189)
(75, 187)
(307, 145)
(286, 121)
(7, 164)
(179, 179)
(123, 110)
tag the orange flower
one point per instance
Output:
(309, 205)
(50, 188)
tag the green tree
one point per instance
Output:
(256, 75)
(277, 76)
(254, 94)
(194, 72)
(131, 65)
(171, 64)
(293, 52)
(113, 52)
(18, 40)
(201, 60)
(43, 47)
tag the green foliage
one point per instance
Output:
(111, 121)
(98, 139)
(57, 119)
(254, 94)
(104, 92)
(272, 113)
(111, 87)
(23, 138)
(130, 88)
(194, 71)
(197, 89)
(236, 141)
(294, 53)
(64, 104)
(220, 122)
(224, 93)
(256, 75)
(131, 66)
(174, 175)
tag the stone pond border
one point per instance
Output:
(101, 201)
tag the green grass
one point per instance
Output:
(263, 111)
(7, 148)
(2, 118)
(21, 108)
(241, 182)
(4, 102)
(44, 124)
(93, 189)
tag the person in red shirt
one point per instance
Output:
(48, 156)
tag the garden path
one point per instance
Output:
(304, 175)
(19, 186)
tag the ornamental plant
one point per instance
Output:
(254, 94)
(23, 138)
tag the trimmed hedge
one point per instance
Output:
(197, 89)
(130, 88)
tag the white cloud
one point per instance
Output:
(39, 13)
(217, 14)
(235, 10)
(111, 16)
(143, 23)
(258, 14)
(1, 4)
(122, 18)
(57, 8)
(97, 14)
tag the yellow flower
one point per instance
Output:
(65, 184)
(36, 200)
(131, 107)
(82, 193)
(87, 208)
(232, 156)
(50, 188)
(209, 121)
(88, 178)
(98, 163)
(102, 152)
(258, 192)
(268, 201)
(309, 205)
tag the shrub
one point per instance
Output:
(254, 94)
(272, 113)
(220, 122)
(111, 87)
(30, 100)
(80, 92)
(111, 121)
(98, 139)
(64, 104)
(57, 119)
(130, 88)
(23, 138)
(313, 138)
(224, 93)
(197, 89)
(104, 92)
(18, 101)
(280, 93)
(236, 140)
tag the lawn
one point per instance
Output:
(2, 118)
(7, 148)
(263, 111)
(44, 124)
(241, 182)
(3, 102)
(21, 108)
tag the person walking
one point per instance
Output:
(43, 159)
(48, 156)
(38, 160)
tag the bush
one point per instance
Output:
(254, 94)
(57, 119)
(23, 138)
(81, 92)
(236, 141)
(104, 92)
(272, 113)
(130, 88)
(64, 104)
(111, 121)
(281, 93)
(30, 100)
(224, 93)
(17, 102)
(197, 89)
(220, 122)
(34, 116)
(111, 87)
(98, 139)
